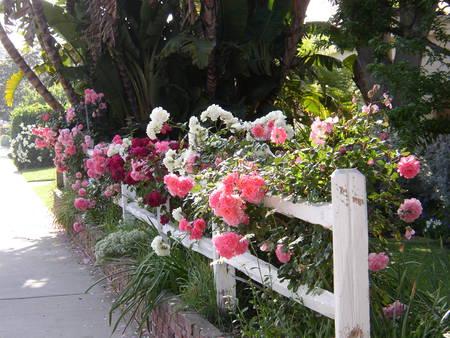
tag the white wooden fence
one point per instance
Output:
(346, 216)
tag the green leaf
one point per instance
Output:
(349, 61)
(198, 50)
(11, 86)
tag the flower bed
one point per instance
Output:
(212, 182)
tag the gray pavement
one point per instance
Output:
(42, 282)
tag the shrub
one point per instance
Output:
(5, 140)
(23, 150)
(120, 244)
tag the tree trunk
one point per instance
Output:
(209, 19)
(28, 72)
(49, 45)
(118, 59)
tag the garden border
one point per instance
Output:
(346, 216)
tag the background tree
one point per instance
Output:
(400, 45)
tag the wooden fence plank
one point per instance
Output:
(316, 213)
(350, 254)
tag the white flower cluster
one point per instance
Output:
(173, 162)
(432, 224)
(23, 143)
(120, 149)
(197, 134)
(215, 112)
(160, 247)
(158, 117)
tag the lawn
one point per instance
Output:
(44, 182)
(427, 262)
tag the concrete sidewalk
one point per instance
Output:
(41, 283)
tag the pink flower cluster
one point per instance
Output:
(112, 190)
(230, 244)
(394, 310)
(408, 166)
(228, 201)
(70, 114)
(97, 164)
(67, 145)
(321, 129)
(91, 96)
(195, 229)
(269, 132)
(46, 137)
(178, 185)
(378, 262)
(139, 170)
(83, 204)
(410, 210)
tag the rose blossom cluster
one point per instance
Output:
(228, 200)
(97, 164)
(83, 204)
(195, 228)
(46, 137)
(230, 244)
(68, 143)
(269, 132)
(178, 185)
(92, 97)
(321, 129)
(154, 199)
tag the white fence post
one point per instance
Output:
(225, 281)
(124, 195)
(350, 254)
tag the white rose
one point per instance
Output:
(160, 247)
(178, 214)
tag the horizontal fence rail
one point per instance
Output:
(346, 216)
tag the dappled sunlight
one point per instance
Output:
(35, 283)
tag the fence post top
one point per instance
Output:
(345, 172)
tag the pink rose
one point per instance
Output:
(81, 204)
(409, 232)
(278, 135)
(258, 131)
(283, 254)
(408, 166)
(45, 117)
(77, 227)
(410, 210)
(82, 192)
(230, 244)
(378, 262)
(265, 246)
(396, 309)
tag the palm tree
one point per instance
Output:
(49, 45)
(29, 74)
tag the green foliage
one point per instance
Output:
(198, 291)
(26, 115)
(63, 210)
(5, 140)
(148, 279)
